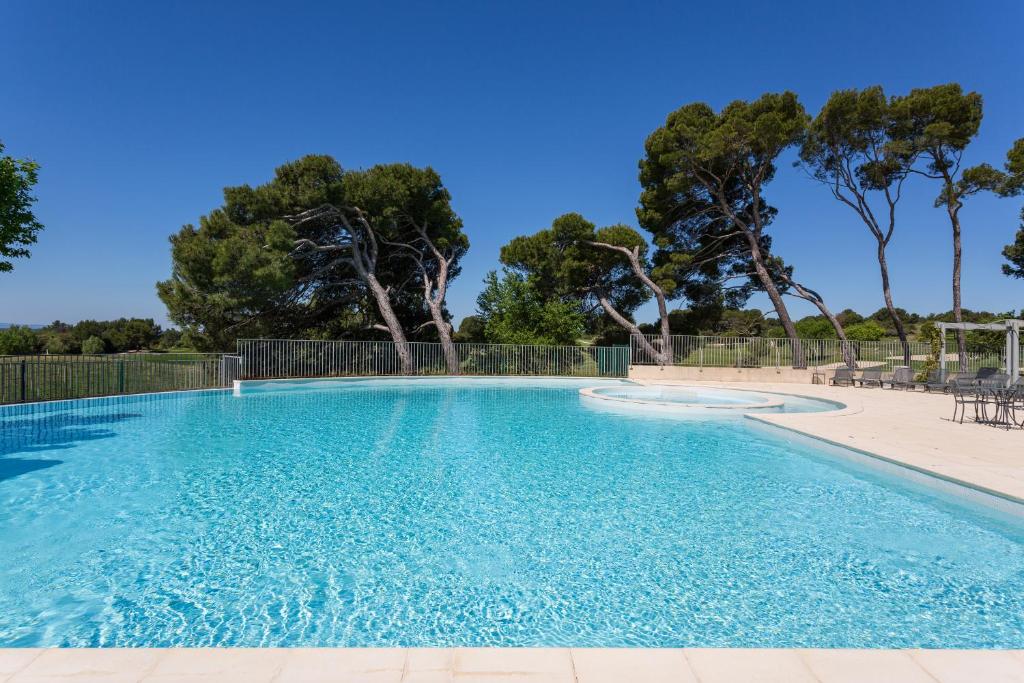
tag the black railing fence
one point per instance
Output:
(284, 358)
(54, 377)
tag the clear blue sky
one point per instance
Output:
(140, 113)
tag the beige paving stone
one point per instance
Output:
(971, 666)
(749, 666)
(859, 666)
(614, 665)
(342, 665)
(511, 664)
(428, 677)
(217, 664)
(13, 660)
(429, 665)
(91, 665)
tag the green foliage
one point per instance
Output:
(714, 321)
(239, 274)
(132, 334)
(18, 225)
(869, 330)
(471, 330)
(739, 323)
(930, 333)
(59, 344)
(849, 142)
(702, 176)
(940, 121)
(848, 316)
(94, 345)
(18, 341)
(1014, 253)
(563, 267)
(123, 334)
(1013, 185)
(815, 327)
(514, 311)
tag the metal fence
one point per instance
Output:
(280, 358)
(770, 352)
(54, 377)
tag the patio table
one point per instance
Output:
(1004, 403)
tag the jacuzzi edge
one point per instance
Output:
(592, 392)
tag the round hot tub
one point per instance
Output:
(685, 397)
(691, 400)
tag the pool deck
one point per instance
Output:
(549, 665)
(913, 430)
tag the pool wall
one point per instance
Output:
(953, 489)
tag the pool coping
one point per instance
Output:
(538, 665)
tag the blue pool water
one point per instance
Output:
(474, 513)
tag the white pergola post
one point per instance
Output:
(1013, 349)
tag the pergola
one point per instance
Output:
(1012, 328)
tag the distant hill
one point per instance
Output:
(34, 327)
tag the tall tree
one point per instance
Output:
(937, 124)
(1014, 253)
(849, 150)
(428, 232)
(606, 269)
(233, 276)
(389, 212)
(1014, 185)
(311, 253)
(720, 163)
(18, 225)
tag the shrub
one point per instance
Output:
(868, 330)
(58, 344)
(94, 345)
(17, 341)
(930, 333)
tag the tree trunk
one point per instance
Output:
(887, 295)
(451, 355)
(380, 295)
(780, 306)
(665, 357)
(633, 255)
(953, 205)
(630, 327)
(961, 337)
(848, 356)
(666, 332)
(363, 249)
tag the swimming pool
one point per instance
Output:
(473, 512)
